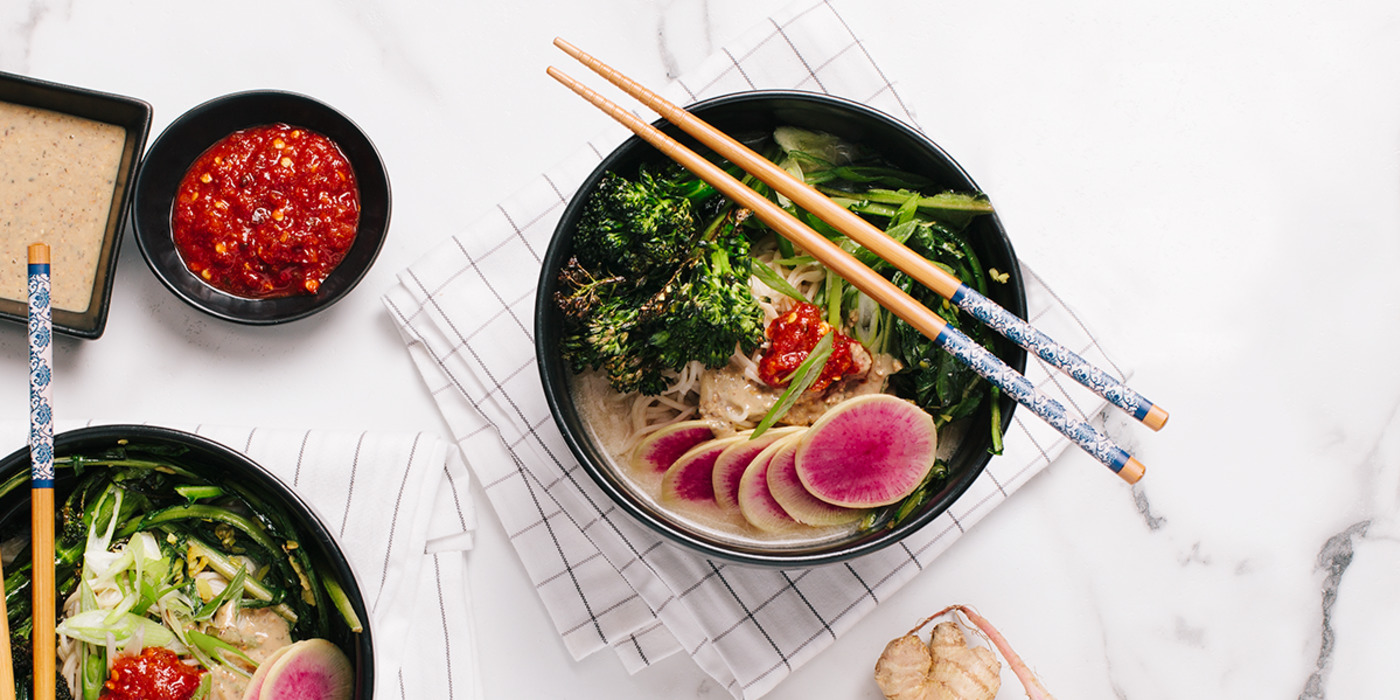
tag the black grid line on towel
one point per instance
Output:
(398, 505)
(350, 494)
(446, 628)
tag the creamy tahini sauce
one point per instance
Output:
(57, 176)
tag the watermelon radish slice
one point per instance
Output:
(691, 477)
(255, 685)
(870, 450)
(311, 669)
(729, 468)
(659, 450)
(794, 498)
(755, 501)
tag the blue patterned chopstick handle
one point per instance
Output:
(991, 368)
(40, 376)
(1029, 337)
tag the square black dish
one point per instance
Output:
(85, 315)
(174, 151)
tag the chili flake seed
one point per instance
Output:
(205, 178)
(286, 162)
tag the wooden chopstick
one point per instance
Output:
(41, 471)
(976, 357)
(865, 233)
(7, 661)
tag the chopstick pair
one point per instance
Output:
(871, 283)
(869, 236)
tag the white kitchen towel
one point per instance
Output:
(387, 498)
(465, 313)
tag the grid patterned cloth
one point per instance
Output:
(400, 506)
(465, 314)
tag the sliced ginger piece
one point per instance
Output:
(946, 668)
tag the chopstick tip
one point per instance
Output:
(1156, 418)
(565, 46)
(1132, 470)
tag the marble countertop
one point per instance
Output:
(1176, 172)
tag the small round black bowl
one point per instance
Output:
(189, 136)
(233, 471)
(751, 117)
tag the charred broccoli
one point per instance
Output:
(709, 308)
(22, 658)
(648, 291)
(634, 227)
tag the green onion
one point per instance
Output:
(342, 604)
(217, 649)
(233, 591)
(806, 374)
(194, 492)
(770, 277)
(833, 300)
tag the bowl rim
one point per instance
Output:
(310, 519)
(151, 221)
(581, 445)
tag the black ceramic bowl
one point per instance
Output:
(751, 117)
(191, 135)
(132, 115)
(233, 471)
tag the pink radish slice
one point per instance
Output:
(311, 669)
(255, 685)
(659, 450)
(867, 451)
(789, 492)
(755, 501)
(690, 478)
(730, 466)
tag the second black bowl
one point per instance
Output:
(191, 135)
(751, 117)
(231, 470)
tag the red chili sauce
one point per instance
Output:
(792, 337)
(154, 674)
(267, 212)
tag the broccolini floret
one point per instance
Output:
(648, 292)
(633, 227)
(709, 307)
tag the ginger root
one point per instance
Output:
(946, 668)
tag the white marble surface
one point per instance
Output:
(1214, 185)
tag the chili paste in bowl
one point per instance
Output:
(267, 211)
(261, 207)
